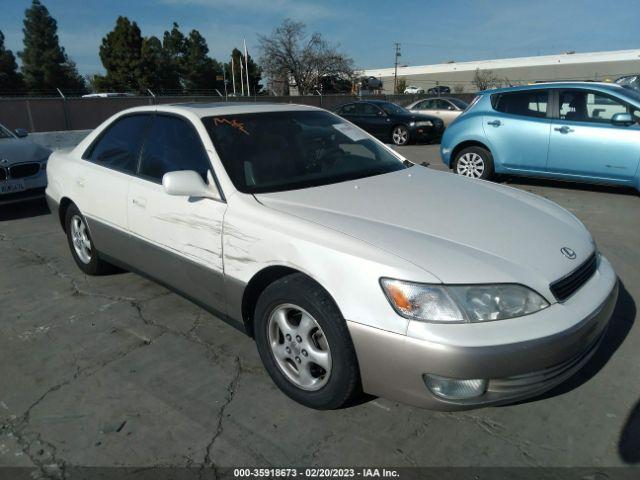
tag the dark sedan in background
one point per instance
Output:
(389, 121)
(22, 167)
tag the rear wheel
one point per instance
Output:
(305, 345)
(474, 162)
(81, 244)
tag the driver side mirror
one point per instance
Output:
(21, 132)
(622, 119)
(188, 183)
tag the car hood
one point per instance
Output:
(458, 229)
(18, 150)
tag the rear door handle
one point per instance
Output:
(563, 129)
(495, 123)
(140, 202)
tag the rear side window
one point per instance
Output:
(172, 144)
(118, 147)
(532, 103)
(347, 109)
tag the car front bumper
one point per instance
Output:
(394, 366)
(421, 134)
(34, 188)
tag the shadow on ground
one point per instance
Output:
(587, 187)
(29, 209)
(629, 444)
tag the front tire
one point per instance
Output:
(81, 244)
(474, 162)
(400, 135)
(305, 345)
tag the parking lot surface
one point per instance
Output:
(116, 370)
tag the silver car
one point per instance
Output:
(445, 108)
(310, 235)
(22, 167)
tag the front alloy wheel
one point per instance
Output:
(400, 135)
(474, 162)
(80, 239)
(299, 347)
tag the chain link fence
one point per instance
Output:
(76, 113)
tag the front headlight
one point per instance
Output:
(461, 304)
(424, 123)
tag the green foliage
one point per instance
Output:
(121, 55)
(199, 70)
(401, 85)
(45, 65)
(10, 79)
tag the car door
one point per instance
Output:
(446, 111)
(371, 118)
(518, 130)
(101, 183)
(585, 143)
(347, 111)
(179, 238)
(425, 106)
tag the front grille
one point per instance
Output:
(24, 170)
(567, 286)
(3, 173)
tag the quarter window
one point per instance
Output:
(531, 103)
(119, 146)
(173, 144)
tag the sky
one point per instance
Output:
(430, 31)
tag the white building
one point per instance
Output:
(600, 66)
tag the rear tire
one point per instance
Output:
(305, 345)
(81, 245)
(474, 162)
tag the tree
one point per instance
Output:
(121, 56)
(401, 85)
(45, 65)
(10, 79)
(199, 71)
(174, 47)
(255, 73)
(288, 51)
(485, 79)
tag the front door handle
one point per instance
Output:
(80, 182)
(563, 129)
(495, 123)
(139, 202)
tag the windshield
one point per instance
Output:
(278, 151)
(4, 133)
(392, 108)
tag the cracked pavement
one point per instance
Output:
(118, 371)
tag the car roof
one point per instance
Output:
(223, 108)
(538, 86)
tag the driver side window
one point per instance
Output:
(368, 110)
(172, 144)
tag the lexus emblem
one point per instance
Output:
(567, 252)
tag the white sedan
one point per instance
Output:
(352, 269)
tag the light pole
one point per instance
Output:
(395, 72)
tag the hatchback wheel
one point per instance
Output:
(474, 162)
(81, 245)
(305, 345)
(400, 135)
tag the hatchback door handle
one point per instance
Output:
(495, 123)
(563, 129)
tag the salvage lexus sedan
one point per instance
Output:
(22, 167)
(295, 226)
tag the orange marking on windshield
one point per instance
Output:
(234, 123)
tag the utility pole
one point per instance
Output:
(395, 72)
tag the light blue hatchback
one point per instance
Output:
(578, 131)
